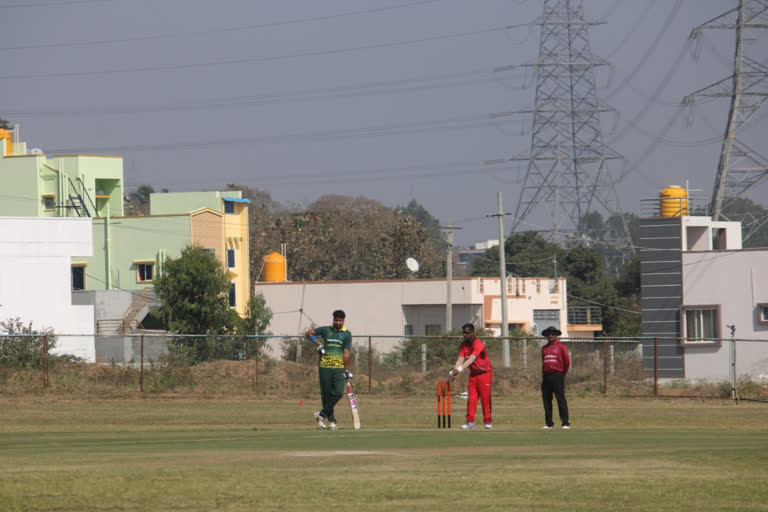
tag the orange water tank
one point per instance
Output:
(274, 267)
(673, 201)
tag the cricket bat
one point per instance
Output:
(353, 406)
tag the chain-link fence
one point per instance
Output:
(166, 363)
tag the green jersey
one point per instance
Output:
(334, 343)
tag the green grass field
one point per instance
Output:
(267, 455)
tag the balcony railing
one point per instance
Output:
(584, 315)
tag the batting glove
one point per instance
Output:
(348, 375)
(320, 347)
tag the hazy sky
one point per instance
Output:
(387, 99)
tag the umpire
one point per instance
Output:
(555, 362)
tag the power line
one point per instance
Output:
(432, 126)
(460, 79)
(176, 35)
(251, 60)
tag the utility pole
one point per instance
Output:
(448, 275)
(503, 283)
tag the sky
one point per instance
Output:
(390, 99)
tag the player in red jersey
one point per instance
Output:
(555, 362)
(474, 355)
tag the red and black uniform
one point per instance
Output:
(555, 362)
(480, 377)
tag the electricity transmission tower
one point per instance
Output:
(568, 161)
(740, 167)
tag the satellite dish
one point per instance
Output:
(412, 265)
(36, 151)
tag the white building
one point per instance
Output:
(696, 281)
(418, 306)
(35, 271)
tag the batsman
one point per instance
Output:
(474, 355)
(333, 343)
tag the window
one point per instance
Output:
(49, 202)
(546, 317)
(408, 330)
(229, 207)
(78, 277)
(433, 330)
(145, 272)
(701, 323)
(762, 313)
(230, 258)
(232, 296)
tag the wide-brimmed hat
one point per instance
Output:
(551, 330)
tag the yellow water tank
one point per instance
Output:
(673, 201)
(274, 267)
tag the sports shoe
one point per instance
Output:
(468, 425)
(320, 420)
(488, 426)
(567, 427)
(547, 427)
(332, 425)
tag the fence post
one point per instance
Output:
(655, 367)
(734, 393)
(141, 373)
(357, 358)
(256, 366)
(370, 364)
(423, 358)
(612, 357)
(605, 367)
(525, 353)
(45, 361)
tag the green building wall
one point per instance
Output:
(131, 240)
(178, 202)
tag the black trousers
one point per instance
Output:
(554, 383)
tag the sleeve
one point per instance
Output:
(566, 358)
(321, 332)
(477, 349)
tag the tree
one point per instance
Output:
(346, 238)
(22, 346)
(754, 219)
(193, 293)
(628, 282)
(137, 202)
(5, 125)
(526, 254)
(418, 212)
(584, 264)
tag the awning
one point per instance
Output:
(237, 200)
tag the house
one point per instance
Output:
(696, 281)
(128, 251)
(418, 306)
(35, 258)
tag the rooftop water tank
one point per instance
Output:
(274, 267)
(673, 201)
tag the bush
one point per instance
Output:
(21, 346)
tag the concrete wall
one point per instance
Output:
(736, 281)
(386, 307)
(35, 255)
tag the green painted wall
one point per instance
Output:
(133, 239)
(24, 180)
(19, 192)
(178, 202)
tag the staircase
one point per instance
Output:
(139, 305)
